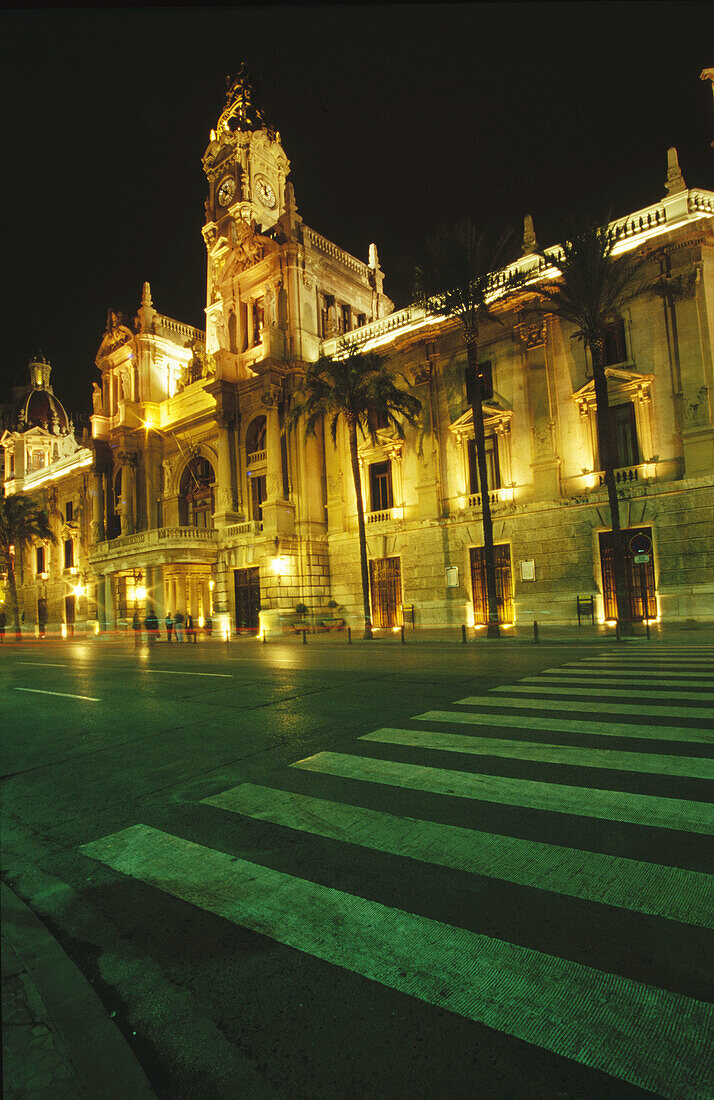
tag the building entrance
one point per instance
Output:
(41, 615)
(385, 581)
(247, 592)
(639, 573)
(69, 611)
(504, 583)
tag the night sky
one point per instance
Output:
(394, 119)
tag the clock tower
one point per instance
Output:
(244, 163)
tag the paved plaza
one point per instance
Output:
(321, 870)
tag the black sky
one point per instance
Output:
(395, 118)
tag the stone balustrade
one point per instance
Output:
(249, 527)
(255, 458)
(169, 327)
(330, 249)
(384, 516)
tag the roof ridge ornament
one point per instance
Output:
(675, 180)
(530, 244)
(240, 111)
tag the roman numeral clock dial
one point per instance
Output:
(265, 193)
(226, 191)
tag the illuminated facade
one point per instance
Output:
(190, 490)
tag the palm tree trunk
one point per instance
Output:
(471, 339)
(354, 461)
(604, 433)
(12, 585)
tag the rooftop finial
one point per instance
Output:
(675, 180)
(146, 296)
(240, 111)
(530, 244)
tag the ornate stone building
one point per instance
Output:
(189, 496)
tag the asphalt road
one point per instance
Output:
(377, 870)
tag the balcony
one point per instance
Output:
(385, 515)
(197, 542)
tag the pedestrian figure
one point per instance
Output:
(190, 628)
(208, 625)
(169, 626)
(178, 626)
(151, 623)
(136, 627)
(3, 624)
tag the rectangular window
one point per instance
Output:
(486, 375)
(258, 320)
(69, 511)
(361, 320)
(380, 486)
(327, 303)
(623, 432)
(40, 552)
(258, 493)
(68, 553)
(614, 347)
(346, 319)
(492, 467)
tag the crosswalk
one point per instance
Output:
(568, 808)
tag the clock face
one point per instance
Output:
(265, 192)
(226, 191)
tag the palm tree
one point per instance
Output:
(457, 280)
(21, 521)
(592, 288)
(360, 390)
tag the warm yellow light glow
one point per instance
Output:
(63, 628)
(73, 569)
(210, 585)
(279, 566)
(396, 629)
(140, 592)
(646, 471)
(148, 423)
(78, 589)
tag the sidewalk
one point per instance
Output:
(57, 1039)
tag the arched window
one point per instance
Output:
(255, 436)
(196, 498)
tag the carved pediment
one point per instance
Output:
(624, 383)
(497, 413)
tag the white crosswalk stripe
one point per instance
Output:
(645, 1035)
(595, 691)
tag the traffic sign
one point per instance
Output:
(641, 559)
(640, 543)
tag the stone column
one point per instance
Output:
(109, 610)
(128, 514)
(101, 610)
(96, 493)
(545, 461)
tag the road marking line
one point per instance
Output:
(670, 892)
(692, 768)
(602, 707)
(178, 672)
(637, 809)
(645, 662)
(648, 1036)
(593, 691)
(586, 675)
(567, 725)
(62, 694)
(38, 664)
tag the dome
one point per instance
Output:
(36, 406)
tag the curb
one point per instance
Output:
(104, 1062)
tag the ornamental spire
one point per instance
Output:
(675, 180)
(241, 112)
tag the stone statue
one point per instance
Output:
(97, 400)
